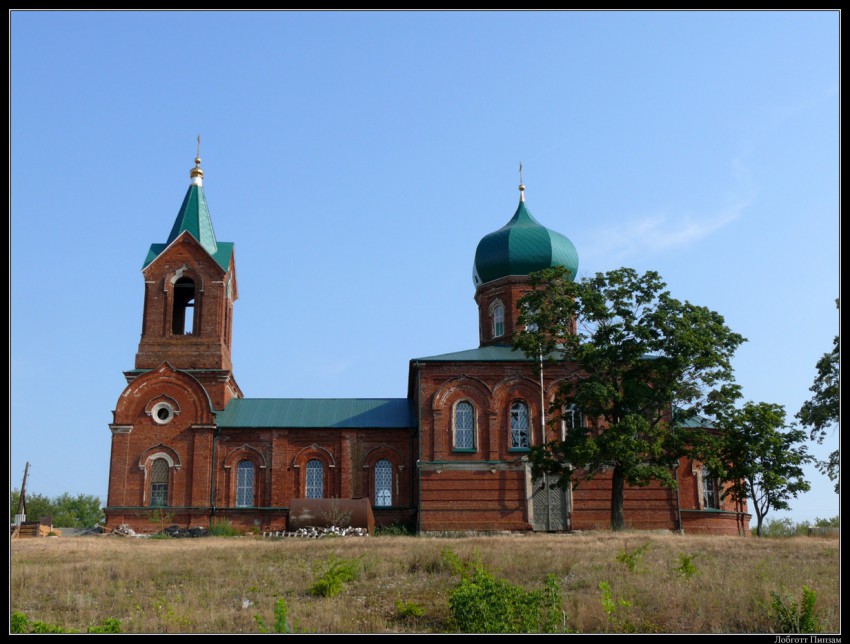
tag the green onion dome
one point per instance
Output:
(520, 247)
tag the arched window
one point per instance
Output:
(498, 321)
(710, 491)
(464, 425)
(519, 425)
(383, 483)
(572, 419)
(159, 483)
(183, 309)
(245, 484)
(314, 488)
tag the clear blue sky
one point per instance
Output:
(356, 159)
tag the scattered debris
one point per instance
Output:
(185, 533)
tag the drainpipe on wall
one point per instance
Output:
(542, 405)
(212, 475)
(678, 504)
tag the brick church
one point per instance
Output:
(451, 456)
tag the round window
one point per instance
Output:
(162, 413)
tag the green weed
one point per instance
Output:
(336, 573)
(791, 618)
(631, 558)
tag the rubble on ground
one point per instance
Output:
(318, 533)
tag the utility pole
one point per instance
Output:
(21, 514)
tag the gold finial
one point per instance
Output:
(521, 186)
(196, 174)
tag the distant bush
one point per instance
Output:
(786, 527)
(223, 528)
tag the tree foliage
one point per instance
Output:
(640, 354)
(759, 457)
(822, 411)
(67, 511)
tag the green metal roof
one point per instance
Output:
(354, 413)
(492, 353)
(520, 247)
(194, 218)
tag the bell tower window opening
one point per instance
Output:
(183, 309)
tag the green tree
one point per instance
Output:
(759, 457)
(640, 354)
(81, 511)
(66, 511)
(823, 412)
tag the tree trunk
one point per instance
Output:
(618, 482)
(759, 519)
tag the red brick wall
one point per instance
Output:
(454, 500)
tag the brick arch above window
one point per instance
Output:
(461, 386)
(159, 451)
(313, 451)
(184, 272)
(516, 387)
(383, 452)
(245, 452)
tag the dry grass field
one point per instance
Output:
(219, 584)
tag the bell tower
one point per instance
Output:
(190, 288)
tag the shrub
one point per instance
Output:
(20, 623)
(393, 530)
(403, 610)
(631, 558)
(336, 573)
(335, 515)
(481, 603)
(790, 618)
(223, 528)
(108, 625)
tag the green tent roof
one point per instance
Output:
(354, 413)
(520, 247)
(194, 218)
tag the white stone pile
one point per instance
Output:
(313, 532)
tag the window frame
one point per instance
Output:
(243, 487)
(159, 489)
(383, 490)
(498, 320)
(472, 429)
(308, 483)
(527, 429)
